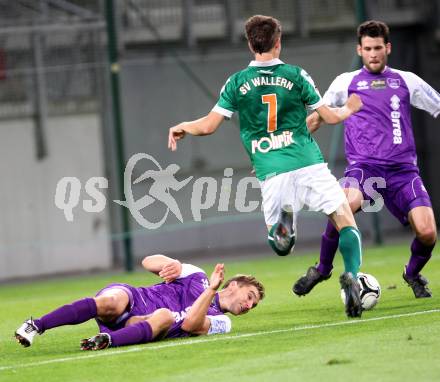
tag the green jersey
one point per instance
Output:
(271, 98)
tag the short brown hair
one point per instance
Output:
(373, 28)
(262, 32)
(247, 280)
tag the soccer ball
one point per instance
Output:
(370, 291)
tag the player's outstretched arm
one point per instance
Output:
(333, 116)
(202, 126)
(165, 267)
(196, 321)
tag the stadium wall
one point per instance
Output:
(35, 237)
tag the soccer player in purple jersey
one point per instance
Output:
(379, 142)
(185, 304)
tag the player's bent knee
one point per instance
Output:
(160, 321)
(427, 235)
(109, 305)
(163, 318)
(166, 318)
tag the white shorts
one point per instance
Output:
(313, 187)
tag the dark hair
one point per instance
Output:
(262, 33)
(373, 28)
(247, 280)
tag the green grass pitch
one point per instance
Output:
(286, 338)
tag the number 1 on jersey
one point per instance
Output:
(271, 100)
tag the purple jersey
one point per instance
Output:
(381, 133)
(178, 296)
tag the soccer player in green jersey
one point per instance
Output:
(272, 100)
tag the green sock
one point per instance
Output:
(350, 245)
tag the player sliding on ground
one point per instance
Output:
(379, 143)
(271, 98)
(185, 304)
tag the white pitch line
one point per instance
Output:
(203, 340)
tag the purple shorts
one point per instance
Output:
(137, 306)
(400, 186)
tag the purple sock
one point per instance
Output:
(329, 246)
(420, 255)
(71, 314)
(139, 333)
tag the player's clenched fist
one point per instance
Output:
(354, 102)
(171, 271)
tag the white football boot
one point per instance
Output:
(25, 333)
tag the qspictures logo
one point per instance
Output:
(163, 182)
(206, 193)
